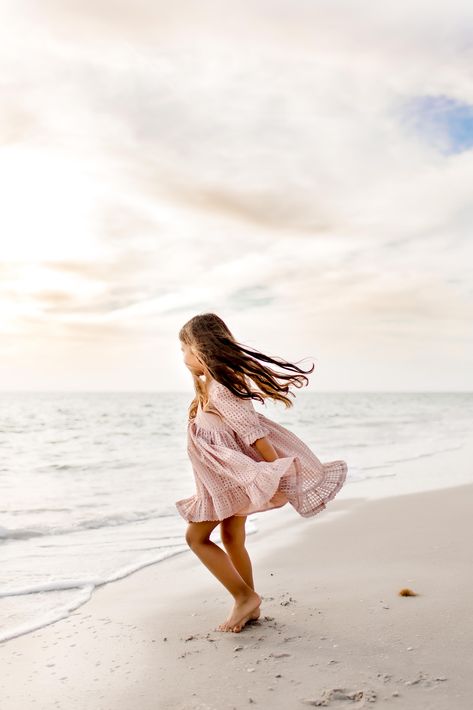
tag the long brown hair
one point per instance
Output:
(233, 364)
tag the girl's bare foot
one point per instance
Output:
(255, 614)
(242, 611)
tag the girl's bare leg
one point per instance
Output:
(233, 536)
(221, 566)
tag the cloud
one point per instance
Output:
(308, 161)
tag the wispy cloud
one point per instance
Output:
(307, 163)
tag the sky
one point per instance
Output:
(303, 169)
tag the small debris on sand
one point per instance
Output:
(335, 694)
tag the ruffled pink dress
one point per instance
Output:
(231, 476)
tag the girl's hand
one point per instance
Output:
(265, 448)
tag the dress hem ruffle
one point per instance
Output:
(265, 485)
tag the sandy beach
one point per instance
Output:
(333, 630)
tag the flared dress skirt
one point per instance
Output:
(232, 478)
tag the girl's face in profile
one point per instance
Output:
(190, 360)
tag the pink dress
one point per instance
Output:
(231, 476)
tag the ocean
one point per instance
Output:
(88, 480)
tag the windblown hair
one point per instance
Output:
(233, 364)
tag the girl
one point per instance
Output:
(242, 461)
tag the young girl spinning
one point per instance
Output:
(243, 462)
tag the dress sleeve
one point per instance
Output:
(239, 414)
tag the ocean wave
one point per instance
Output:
(112, 520)
(85, 588)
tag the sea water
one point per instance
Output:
(88, 481)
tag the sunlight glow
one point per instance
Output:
(47, 204)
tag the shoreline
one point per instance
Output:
(409, 476)
(331, 618)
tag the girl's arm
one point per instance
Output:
(265, 448)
